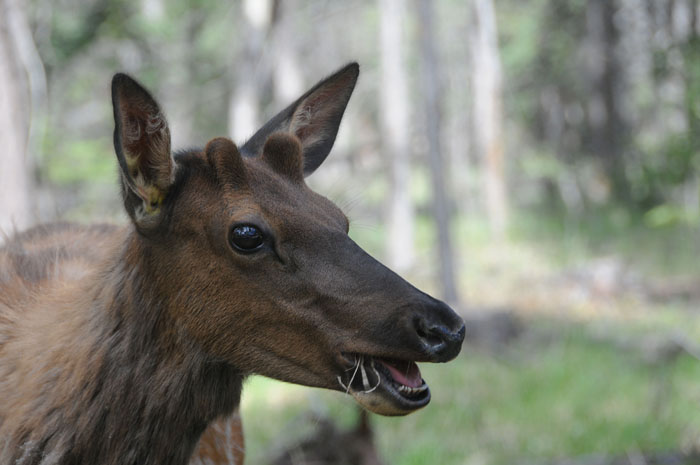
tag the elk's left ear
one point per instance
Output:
(142, 144)
(314, 118)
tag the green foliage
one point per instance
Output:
(666, 215)
(74, 29)
(542, 165)
(554, 78)
(82, 161)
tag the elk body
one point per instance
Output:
(122, 345)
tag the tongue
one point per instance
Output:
(406, 373)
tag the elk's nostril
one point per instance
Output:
(439, 330)
(419, 329)
(429, 334)
(442, 342)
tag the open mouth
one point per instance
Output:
(385, 386)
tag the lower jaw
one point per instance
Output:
(382, 404)
(384, 395)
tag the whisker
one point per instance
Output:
(358, 362)
(360, 365)
(379, 379)
(365, 381)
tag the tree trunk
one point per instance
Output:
(394, 119)
(431, 93)
(288, 79)
(176, 60)
(16, 205)
(606, 124)
(244, 115)
(488, 114)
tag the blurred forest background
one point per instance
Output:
(534, 162)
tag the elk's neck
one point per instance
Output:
(128, 386)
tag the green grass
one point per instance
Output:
(556, 393)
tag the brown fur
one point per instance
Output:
(67, 361)
(283, 153)
(121, 345)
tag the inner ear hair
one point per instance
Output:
(142, 146)
(283, 152)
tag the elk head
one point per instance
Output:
(258, 270)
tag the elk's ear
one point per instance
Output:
(142, 144)
(314, 118)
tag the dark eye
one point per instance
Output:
(246, 238)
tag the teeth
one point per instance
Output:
(411, 391)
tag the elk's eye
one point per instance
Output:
(246, 238)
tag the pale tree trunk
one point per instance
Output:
(244, 115)
(288, 79)
(432, 93)
(488, 113)
(175, 56)
(394, 113)
(16, 187)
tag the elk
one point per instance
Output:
(123, 344)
